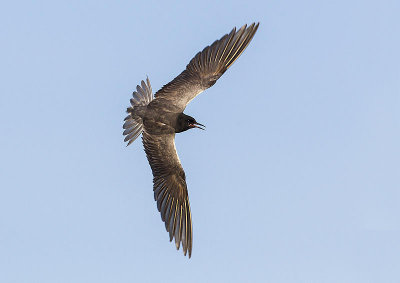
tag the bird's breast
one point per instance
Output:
(159, 121)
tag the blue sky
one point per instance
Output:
(296, 179)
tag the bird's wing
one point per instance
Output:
(206, 67)
(169, 187)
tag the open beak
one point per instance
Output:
(198, 125)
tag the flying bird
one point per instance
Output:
(160, 117)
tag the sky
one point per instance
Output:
(296, 179)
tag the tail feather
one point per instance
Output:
(133, 125)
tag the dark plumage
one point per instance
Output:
(161, 117)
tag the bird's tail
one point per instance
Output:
(134, 121)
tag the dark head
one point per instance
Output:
(185, 122)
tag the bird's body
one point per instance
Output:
(160, 118)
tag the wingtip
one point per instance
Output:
(253, 24)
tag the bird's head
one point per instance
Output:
(185, 122)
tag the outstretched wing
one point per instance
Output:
(207, 67)
(169, 187)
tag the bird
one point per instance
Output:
(159, 118)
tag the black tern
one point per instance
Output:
(160, 117)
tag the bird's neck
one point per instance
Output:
(181, 124)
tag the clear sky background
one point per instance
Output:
(296, 179)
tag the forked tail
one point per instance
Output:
(134, 121)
